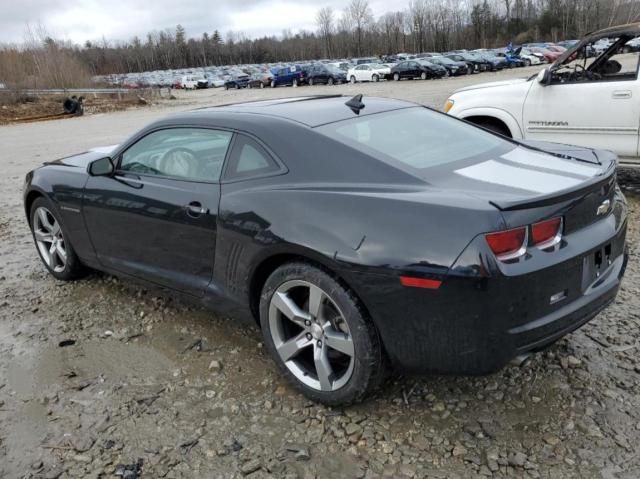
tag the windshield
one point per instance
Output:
(417, 138)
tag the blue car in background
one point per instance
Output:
(292, 75)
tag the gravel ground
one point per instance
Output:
(157, 386)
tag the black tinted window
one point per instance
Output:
(249, 159)
(415, 137)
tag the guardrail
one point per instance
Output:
(68, 91)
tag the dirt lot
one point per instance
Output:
(17, 107)
(182, 392)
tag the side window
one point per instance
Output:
(186, 153)
(249, 159)
(608, 59)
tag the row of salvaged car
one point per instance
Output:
(433, 65)
(396, 67)
(400, 66)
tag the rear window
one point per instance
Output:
(415, 137)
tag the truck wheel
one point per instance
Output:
(494, 126)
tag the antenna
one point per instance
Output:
(355, 104)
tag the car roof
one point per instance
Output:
(309, 110)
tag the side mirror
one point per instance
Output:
(544, 77)
(101, 167)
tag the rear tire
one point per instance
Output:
(396, 76)
(423, 76)
(336, 359)
(375, 78)
(310, 81)
(295, 82)
(330, 81)
(52, 242)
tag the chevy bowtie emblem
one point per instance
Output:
(603, 208)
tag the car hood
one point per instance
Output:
(503, 83)
(82, 160)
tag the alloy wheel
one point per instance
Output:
(311, 335)
(49, 239)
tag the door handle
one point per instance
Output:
(621, 94)
(130, 180)
(195, 209)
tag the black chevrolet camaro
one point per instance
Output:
(361, 235)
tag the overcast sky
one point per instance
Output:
(81, 20)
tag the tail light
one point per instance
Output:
(508, 244)
(546, 233)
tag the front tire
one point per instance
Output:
(330, 81)
(423, 76)
(494, 126)
(396, 77)
(375, 78)
(52, 242)
(352, 79)
(319, 335)
(310, 81)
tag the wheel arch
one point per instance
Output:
(29, 198)
(267, 265)
(501, 117)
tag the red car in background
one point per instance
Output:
(549, 55)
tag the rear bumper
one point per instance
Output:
(477, 322)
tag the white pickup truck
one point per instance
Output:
(593, 102)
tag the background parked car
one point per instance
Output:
(326, 74)
(368, 72)
(260, 80)
(292, 75)
(453, 67)
(411, 69)
(188, 83)
(437, 71)
(237, 82)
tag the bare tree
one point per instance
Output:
(361, 16)
(324, 21)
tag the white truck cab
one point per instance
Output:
(592, 102)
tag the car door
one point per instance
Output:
(359, 70)
(155, 217)
(602, 113)
(321, 74)
(401, 69)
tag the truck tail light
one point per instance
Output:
(508, 244)
(546, 233)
